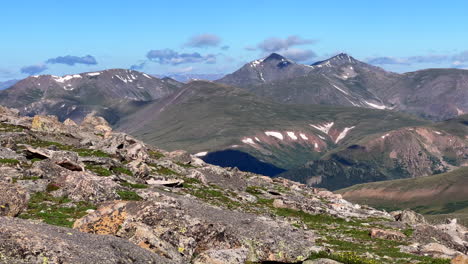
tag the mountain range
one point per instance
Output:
(332, 124)
(435, 94)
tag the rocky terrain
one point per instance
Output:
(85, 194)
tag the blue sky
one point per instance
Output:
(61, 37)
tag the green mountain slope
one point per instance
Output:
(438, 196)
(206, 117)
(401, 153)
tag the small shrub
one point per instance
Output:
(122, 170)
(98, 170)
(52, 187)
(129, 196)
(9, 161)
(155, 154)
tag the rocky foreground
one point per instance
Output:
(84, 194)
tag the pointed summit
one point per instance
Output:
(271, 68)
(337, 60)
(274, 56)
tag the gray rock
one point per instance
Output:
(226, 256)
(23, 241)
(409, 217)
(13, 199)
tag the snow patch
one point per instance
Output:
(261, 76)
(376, 106)
(255, 63)
(339, 89)
(384, 136)
(256, 138)
(324, 127)
(321, 137)
(66, 78)
(292, 135)
(343, 134)
(437, 132)
(277, 135)
(146, 75)
(248, 141)
(303, 136)
(459, 111)
(201, 154)
(316, 145)
(93, 73)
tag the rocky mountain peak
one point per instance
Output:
(337, 60)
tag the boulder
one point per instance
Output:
(13, 199)
(409, 217)
(69, 122)
(48, 124)
(82, 186)
(23, 241)
(95, 123)
(387, 234)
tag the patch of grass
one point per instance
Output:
(214, 196)
(31, 178)
(312, 220)
(155, 154)
(408, 232)
(91, 153)
(185, 165)
(134, 185)
(99, 170)
(10, 128)
(129, 196)
(52, 187)
(255, 190)
(57, 211)
(163, 170)
(345, 257)
(122, 170)
(35, 160)
(9, 161)
(190, 182)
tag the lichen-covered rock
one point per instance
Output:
(95, 123)
(48, 124)
(182, 228)
(82, 186)
(23, 241)
(13, 199)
